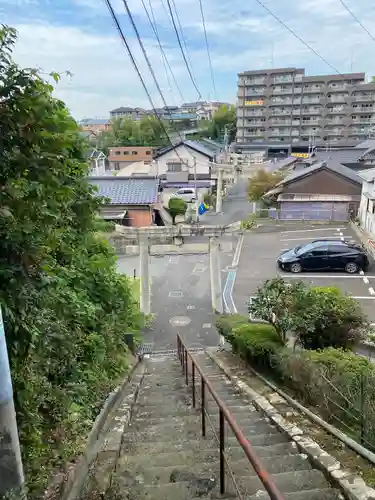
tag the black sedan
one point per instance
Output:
(324, 255)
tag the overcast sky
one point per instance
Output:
(79, 36)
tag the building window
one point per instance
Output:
(175, 166)
(125, 152)
(134, 152)
(117, 153)
(148, 152)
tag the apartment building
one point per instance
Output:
(284, 105)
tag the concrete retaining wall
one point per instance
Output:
(364, 237)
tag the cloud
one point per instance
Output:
(79, 36)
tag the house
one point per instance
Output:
(121, 156)
(127, 112)
(357, 158)
(131, 201)
(322, 191)
(176, 163)
(98, 162)
(366, 212)
(95, 126)
(139, 169)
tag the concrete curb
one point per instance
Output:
(101, 438)
(352, 485)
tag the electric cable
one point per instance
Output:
(208, 49)
(134, 63)
(182, 50)
(357, 20)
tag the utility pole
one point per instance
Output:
(196, 189)
(11, 471)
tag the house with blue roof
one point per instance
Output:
(129, 201)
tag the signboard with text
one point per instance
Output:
(254, 103)
(301, 155)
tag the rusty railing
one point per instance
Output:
(224, 416)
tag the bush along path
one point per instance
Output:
(65, 307)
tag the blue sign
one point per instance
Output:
(6, 390)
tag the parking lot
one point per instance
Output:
(258, 263)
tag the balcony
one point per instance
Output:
(251, 81)
(254, 123)
(363, 98)
(277, 123)
(342, 99)
(311, 100)
(283, 79)
(311, 111)
(363, 121)
(337, 110)
(333, 87)
(280, 133)
(254, 112)
(312, 121)
(253, 92)
(362, 109)
(334, 121)
(281, 102)
(254, 134)
(312, 90)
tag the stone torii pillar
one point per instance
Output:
(219, 190)
(215, 275)
(144, 274)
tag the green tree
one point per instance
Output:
(176, 206)
(65, 307)
(261, 182)
(318, 317)
(224, 117)
(275, 303)
(325, 317)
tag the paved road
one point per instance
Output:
(181, 298)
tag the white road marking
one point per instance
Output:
(371, 291)
(207, 325)
(311, 230)
(361, 272)
(342, 236)
(176, 294)
(365, 280)
(327, 276)
(237, 252)
(300, 239)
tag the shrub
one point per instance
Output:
(176, 206)
(227, 322)
(257, 343)
(339, 383)
(319, 317)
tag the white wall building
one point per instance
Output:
(98, 163)
(177, 162)
(367, 206)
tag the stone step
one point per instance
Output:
(206, 453)
(162, 475)
(197, 487)
(315, 494)
(286, 482)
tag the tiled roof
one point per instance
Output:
(127, 191)
(347, 155)
(195, 145)
(368, 143)
(329, 165)
(94, 121)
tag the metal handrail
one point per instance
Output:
(224, 415)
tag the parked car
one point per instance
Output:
(324, 255)
(186, 194)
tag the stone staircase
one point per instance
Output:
(164, 456)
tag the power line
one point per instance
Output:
(183, 38)
(208, 49)
(165, 59)
(149, 64)
(146, 57)
(357, 20)
(125, 42)
(297, 36)
(181, 49)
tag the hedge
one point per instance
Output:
(336, 383)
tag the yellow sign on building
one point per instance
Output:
(301, 155)
(254, 103)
